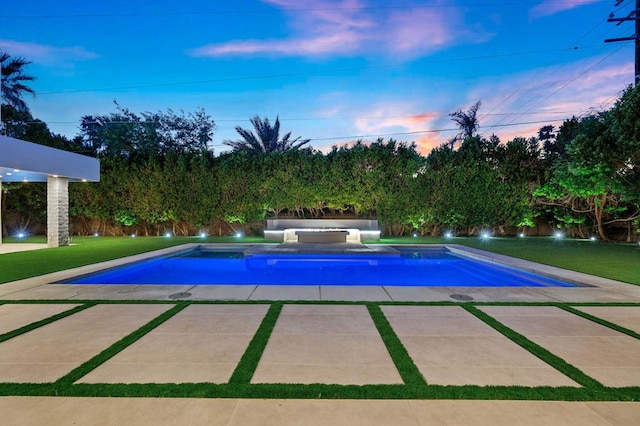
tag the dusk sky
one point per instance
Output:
(334, 71)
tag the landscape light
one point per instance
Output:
(167, 234)
(95, 234)
(448, 234)
(485, 235)
(559, 235)
(593, 238)
(238, 234)
(415, 235)
(133, 235)
(21, 235)
(521, 235)
(203, 234)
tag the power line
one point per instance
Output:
(556, 59)
(301, 74)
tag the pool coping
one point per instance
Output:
(597, 289)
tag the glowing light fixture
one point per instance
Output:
(485, 235)
(203, 234)
(9, 173)
(448, 234)
(593, 238)
(95, 234)
(521, 235)
(238, 234)
(558, 235)
(21, 235)
(133, 235)
(167, 234)
(415, 235)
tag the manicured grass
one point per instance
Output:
(415, 387)
(617, 261)
(88, 250)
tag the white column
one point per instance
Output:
(57, 211)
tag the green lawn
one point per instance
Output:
(616, 261)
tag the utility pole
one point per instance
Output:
(634, 15)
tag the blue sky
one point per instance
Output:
(333, 71)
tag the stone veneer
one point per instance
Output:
(57, 211)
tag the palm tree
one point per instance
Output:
(266, 138)
(13, 81)
(467, 123)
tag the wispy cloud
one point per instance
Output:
(45, 54)
(547, 98)
(343, 27)
(551, 7)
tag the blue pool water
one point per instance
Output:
(429, 267)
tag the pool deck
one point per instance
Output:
(315, 342)
(594, 289)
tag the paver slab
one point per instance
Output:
(202, 343)
(47, 353)
(325, 344)
(14, 316)
(605, 354)
(452, 347)
(624, 316)
(25, 411)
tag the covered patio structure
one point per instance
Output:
(22, 161)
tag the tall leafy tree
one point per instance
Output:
(467, 123)
(14, 81)
(265, 139)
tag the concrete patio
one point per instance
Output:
(312, 343)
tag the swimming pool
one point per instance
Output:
(427, 267)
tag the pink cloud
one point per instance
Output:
(551, 7)
(391, 120)
(548, 99)
(345, 26)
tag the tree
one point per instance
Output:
(129, 135)
(467, 123)
(14, 81)
(266, 138)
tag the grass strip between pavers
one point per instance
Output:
(240, 387)
(600, 321)
(249, 362)
(409, 372)
(119, 346)
(553, 360)
(42, 322)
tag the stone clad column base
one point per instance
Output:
(57, 211)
